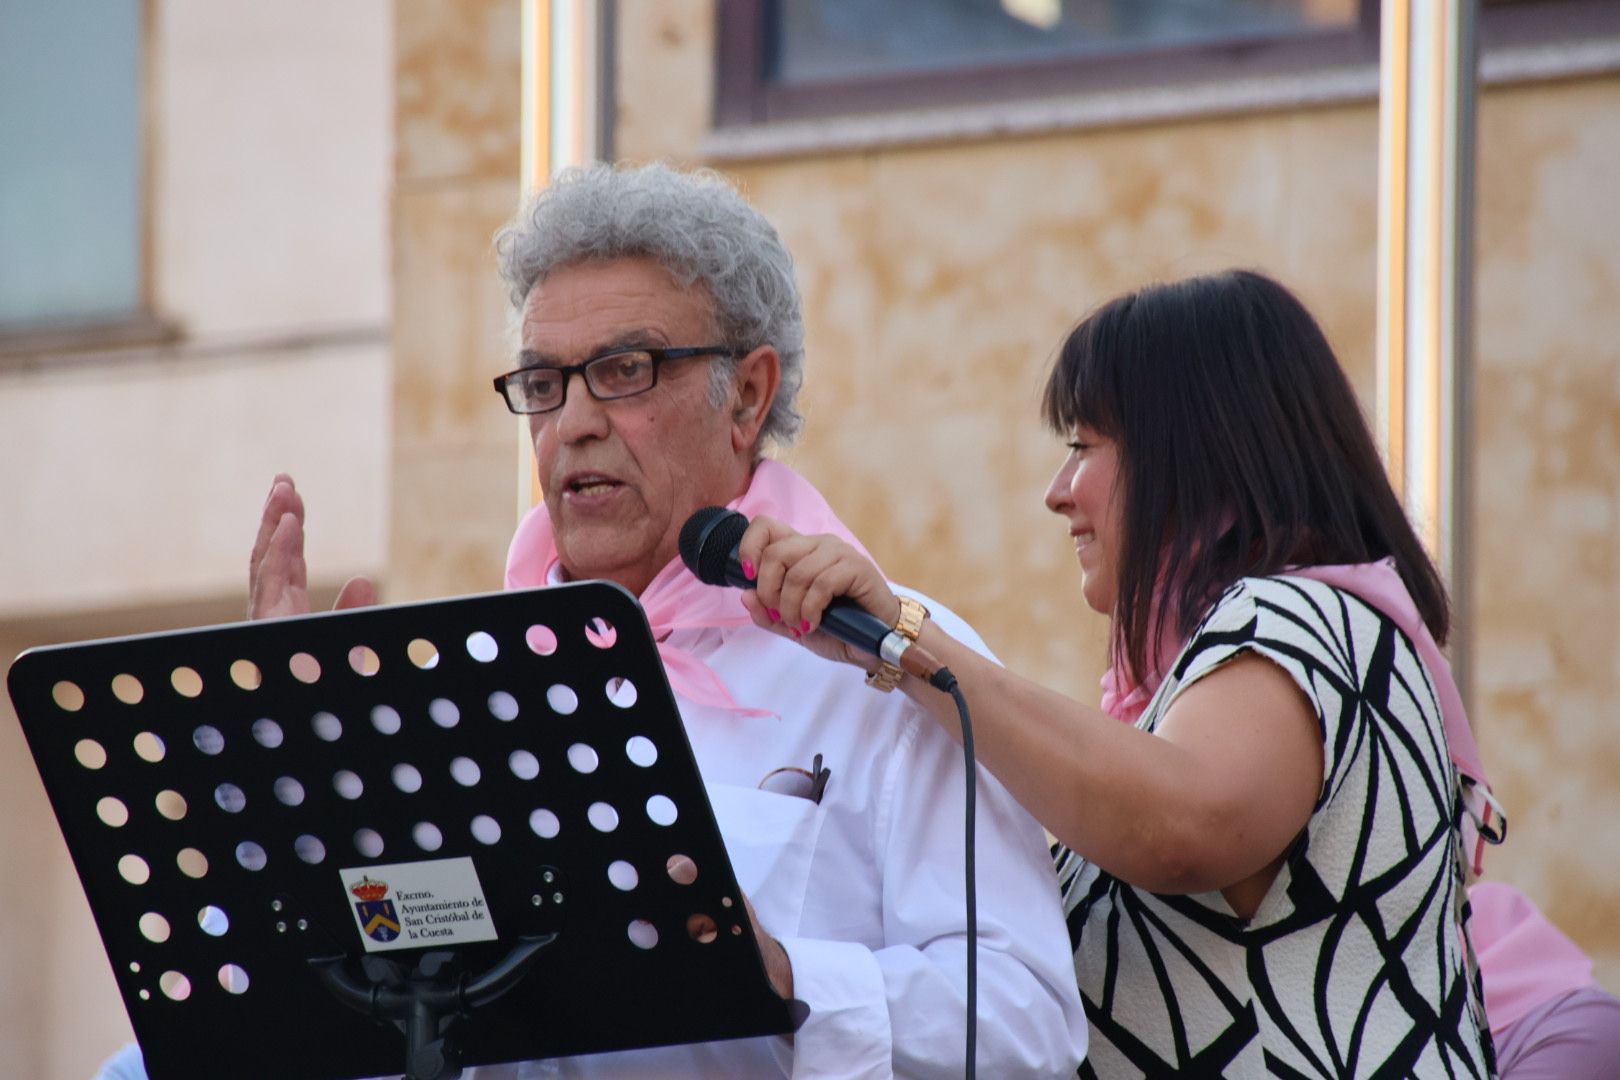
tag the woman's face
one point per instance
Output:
(1086, 493)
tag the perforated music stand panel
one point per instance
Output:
(211, 783)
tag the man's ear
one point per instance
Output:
(759, 375)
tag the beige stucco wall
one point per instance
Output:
(133, 479)
(939, 279)
(1547, 490)
(454, 458)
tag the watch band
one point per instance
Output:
(886, 676)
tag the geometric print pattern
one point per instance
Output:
(1353, 965)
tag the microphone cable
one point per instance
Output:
(947, 682)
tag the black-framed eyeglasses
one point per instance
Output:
(621, 373)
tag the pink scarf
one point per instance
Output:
(1379, 584)
(674, 599)
(1524, 960)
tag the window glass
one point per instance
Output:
(70, 166)
(823, 40)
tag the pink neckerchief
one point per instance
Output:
(1524, 960)
(1379, 584)
(674, 599)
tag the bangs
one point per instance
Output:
(1083, 387)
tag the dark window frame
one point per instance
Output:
(745, 97)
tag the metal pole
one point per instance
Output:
(1428, 79)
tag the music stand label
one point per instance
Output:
(410, 905)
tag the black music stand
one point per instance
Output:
(473, 820)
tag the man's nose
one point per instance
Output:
(580, 416)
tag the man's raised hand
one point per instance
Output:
(278, 580)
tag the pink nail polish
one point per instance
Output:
(748, 570)
(804, 626)
(776, 616)
(795, 633)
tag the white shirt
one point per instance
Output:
(865, 889)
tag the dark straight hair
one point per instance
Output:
(1242, 450)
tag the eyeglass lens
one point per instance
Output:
(612, 376)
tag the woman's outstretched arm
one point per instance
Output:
(1210, 800)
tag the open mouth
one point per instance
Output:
(590, 485)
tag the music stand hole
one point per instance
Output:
(601, 633)
(133, 869)
(213, 921)
(251, 856)
(230, 798)
(146, 995)
(171, 804)
(503, 706)
(641, 751)
(407, 777)
(310, 849)
(327, 727)
(481, 647)
(233, 979)
(583, 758)
(562, 699)
(385, 718)
(621, 692)
(347, 784)
(90, 754)
(643, 934)
(545, 824)
(701, 929)
(154, 928)
(192, 863)
(443, 711)
(661, 810)
(186, 681)
(602, 816)
(427, 836)
(368, 842)
(149, 747)
(465, 771)
(622, 875)
(68, 696)
(305, 668)
(267, 733)
(208, 739)
(540, 640)
(682, 870)
(524, 765)
(112, 812)
(128, 689)
(423, 653)
(486, 830)
(246, 675)
(289, 792)
(364, 661)
(175, 986)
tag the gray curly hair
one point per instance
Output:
(699, 228)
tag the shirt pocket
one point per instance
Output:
(771, 840)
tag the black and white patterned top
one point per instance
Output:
(1353, 965)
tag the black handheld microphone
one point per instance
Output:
(708, 545)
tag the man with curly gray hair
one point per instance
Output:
(661, 348)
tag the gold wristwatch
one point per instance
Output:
(887, 675)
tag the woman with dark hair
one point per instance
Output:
(1263, 869)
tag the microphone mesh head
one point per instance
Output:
(707, 539)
